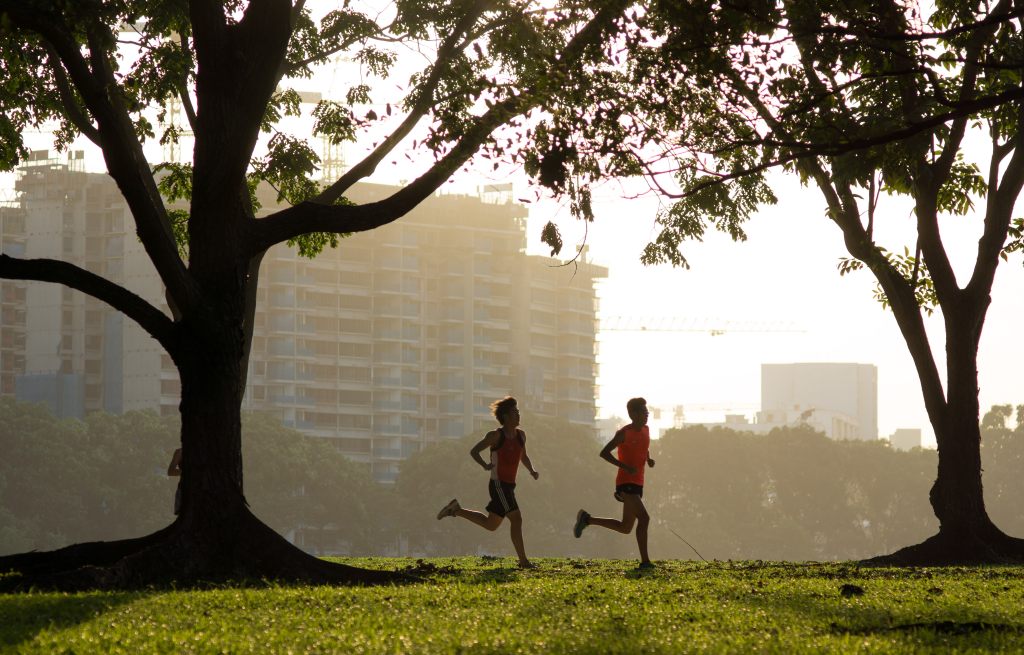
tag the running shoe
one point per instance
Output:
(582, 520)
(449, 509)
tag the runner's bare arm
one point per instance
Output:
(489, 440)
(606, 452)
(525, 459)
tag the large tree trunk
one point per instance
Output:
(966, 533)
(216, 538)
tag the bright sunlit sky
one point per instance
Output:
(783, 275)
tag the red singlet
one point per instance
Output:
(506, 459)
(633, 451)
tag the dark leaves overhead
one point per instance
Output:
(554, 166)
(709, 94)
(551, 236)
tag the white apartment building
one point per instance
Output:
(397, 338)
(906, 438)
(840, 399)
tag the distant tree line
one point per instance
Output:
(68, 481)
(792, 494)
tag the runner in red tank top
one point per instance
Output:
(508, 448)
(633, 444)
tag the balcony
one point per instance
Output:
(389, 429)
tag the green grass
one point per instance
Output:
(474, 605)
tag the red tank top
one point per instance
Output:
(633, 451)
(506, 457)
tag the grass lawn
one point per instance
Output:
(484, 605)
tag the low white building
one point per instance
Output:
(906, 439)
(837, 399)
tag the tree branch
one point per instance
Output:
(67, 97)
(425, 102)
(237, 66)
(998, 214)
(186, 101)
(151, 319)
(121, 148)
(803, 150)
(309, 217)
(968, 83)
(991, 20)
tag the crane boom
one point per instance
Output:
(713, 327)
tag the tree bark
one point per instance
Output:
(966, 533)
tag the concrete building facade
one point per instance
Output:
(906, 438)
(840, 399)
(397, 338)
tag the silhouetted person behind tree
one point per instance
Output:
(174, 470)
(508, 449)
(633, 442)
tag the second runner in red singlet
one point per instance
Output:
(633, 450)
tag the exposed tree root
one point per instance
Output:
(950, 548)
(94, 553)
(182, 556)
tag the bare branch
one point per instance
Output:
(151, 319)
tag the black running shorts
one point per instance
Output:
(631, 489)
(503, 497)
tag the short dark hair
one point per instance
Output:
(501, 407)
(633, 404)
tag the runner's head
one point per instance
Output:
(637, 409)
(505, 409)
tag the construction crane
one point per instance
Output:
(713, 327)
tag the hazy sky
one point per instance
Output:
(783, 275)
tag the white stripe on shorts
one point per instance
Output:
(501, 496)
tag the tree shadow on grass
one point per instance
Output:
(23, 616)
(839, 614)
